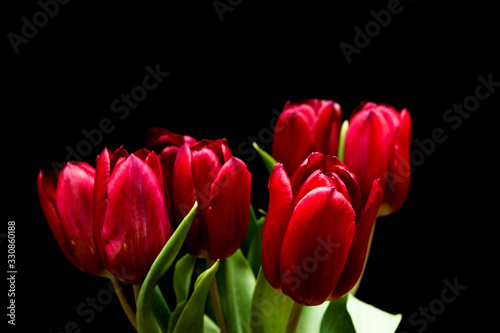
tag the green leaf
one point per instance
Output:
(254, 251)
(310, 319)
(236, 281)
(182, 277)
(343, 132)
(336, 318)
(182, 281)
(269, 161)
(160, 308)
(147, 321)
(192, 316)
(368, 319)
(270, 308)
(252, 243)
(176, 314)
(350, 315)
(252, 230)
(209, 325)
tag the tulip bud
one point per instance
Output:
(67, 202)
(316, 232)
(207, 172)
(377, 145)
(167, 144)
(131, 223)
(311, 126)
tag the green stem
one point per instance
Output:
(356, 287)
(293, 320)
(137, 289)
(123, 301)
(215, 299)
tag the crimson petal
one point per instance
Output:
(275, 224)
(357, 252)
(134, 230)
(229, 209)
(315, 246)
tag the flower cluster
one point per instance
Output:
(329, 183)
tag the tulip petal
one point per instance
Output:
(317, 179)
(74, 202)
(102, 173)
(275, 224)
(357, 252)
(159, 138)
(184, 196)
(205, 167)
(167, 160)
(46, 186)
(327, 127)
(229, 209)
(293, 139)
(226, 152)
(315, 246)
(142, 154)
(206, 162)
(399, 171)
(134, 230)
(329, 164)
(313, 162)
(334, 165)
(118, 156)
(367, 147)
(154, 163)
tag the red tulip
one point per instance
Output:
(311, 126)
(131, 224)
(316, 232)
(377, 145)
(67, 202)
(208, 173)
(167, 144)
(158, 139)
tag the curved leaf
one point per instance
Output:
(160, 308)
(270, 308)
(268, 160)
(146, 319)
(310, 319)
(192, 316)
(182, 277)
(336, 318)
(254, 252)
(252, 243)
(270, 311)
(368, 319)
(252, 229)
(209, 325)
(236, 282)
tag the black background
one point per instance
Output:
(225, 79)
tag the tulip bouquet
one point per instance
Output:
(182, 207)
